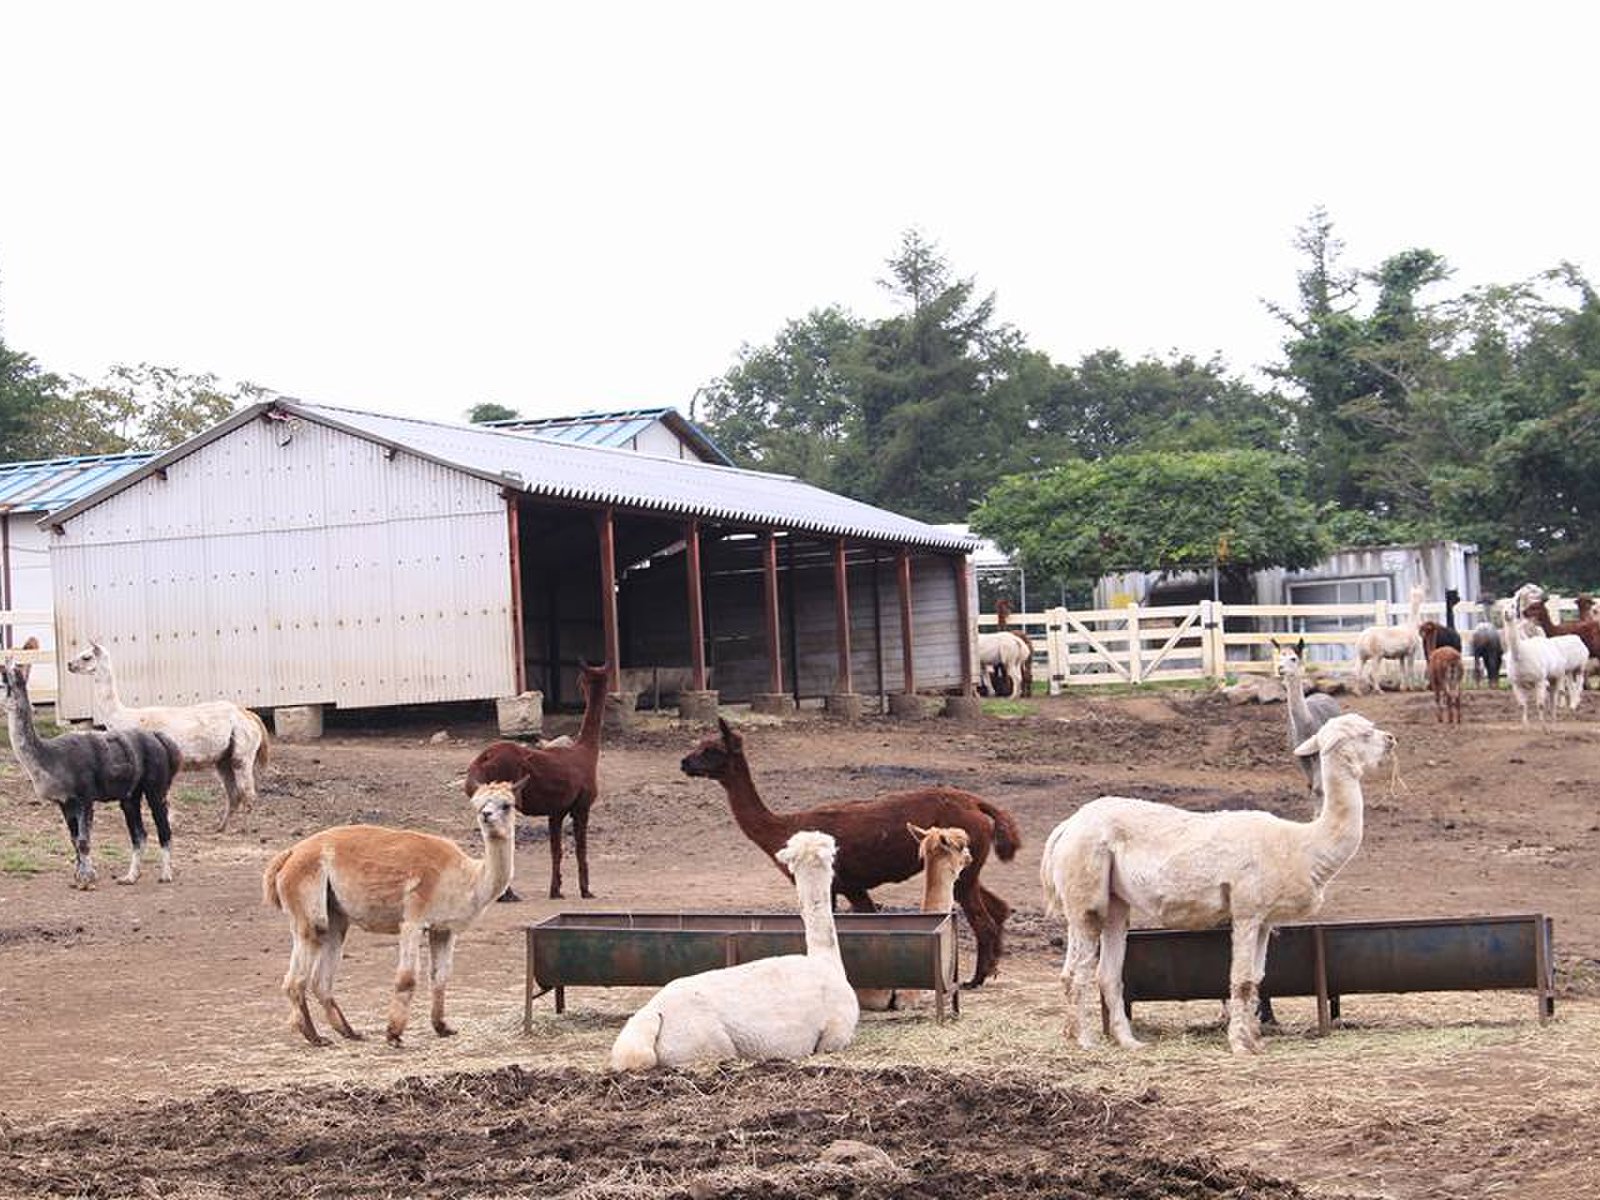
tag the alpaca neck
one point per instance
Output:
(1294, 689)
(594, 711)
(1336, 832)
(815, 887)
(106, 701)
(494, 869)
(939, 886)
(1542, 616)
(25, 740)
(755, 820)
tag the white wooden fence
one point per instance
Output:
(1159, 643)
(40, 690)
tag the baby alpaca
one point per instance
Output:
(789, 1006)
(1444, 678)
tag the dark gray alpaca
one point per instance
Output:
(77, 770)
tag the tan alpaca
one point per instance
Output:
(945, 854)
(217, 735)
(1187, 870)
(1400, 642)
(386, 881)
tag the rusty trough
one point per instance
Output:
(1330, 959)
(880, 950)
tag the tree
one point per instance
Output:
(480, 414)
(27, 392)
(1156, 511)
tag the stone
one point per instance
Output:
(845, 705)
(521, 715)
(773, 704)
(699, 708)
(297, 722)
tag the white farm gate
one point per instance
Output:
(1165, 643)
(42, 688)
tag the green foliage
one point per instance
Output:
(478, 414)
(136, 408)
(1156, 511)
(27, 391)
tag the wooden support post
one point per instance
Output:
(964, 625)
(769, 596)
(903, 577)
(519, 670)
(605, 520)
(697, 626)
(841, 619)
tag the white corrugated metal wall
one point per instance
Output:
(290, 563)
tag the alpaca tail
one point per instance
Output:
(269, 879)
(1007, 835)
(1047, 880)
(635, 1047)
(261, 728)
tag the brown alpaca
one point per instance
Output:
(1588, 628)
(561, 780)
(873, 847)
(1444, 677)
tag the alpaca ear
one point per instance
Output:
(1316, 743)
(1275, 645)
(730, 736)
(516, 788)
(916, 833)
(1300, 647)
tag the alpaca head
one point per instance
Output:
(87, 661)
(808, 848)
(1351, 737)
(592, 677)
(496, 806)
(951, 844)
(715, 753)
(13, 685)
(1289, 657)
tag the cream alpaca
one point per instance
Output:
(218, 735)
(1115, 856)
(784, 1007)
(945, 853)
(386, 881)
(1401, 642)
(1545, 668)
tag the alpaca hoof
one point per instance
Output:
(586, 893)
(393, 1038)
(164, 877)
(444, 1030)
(555, 893)
(509, 897)
(126, 879)
(970, 984)
(1132, 1043)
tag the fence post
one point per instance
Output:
(1055, 648)
(1219, 645)
(1135, 647)
(1380, 612)
(1208, 662)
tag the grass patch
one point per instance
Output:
(26, 854)
(190, 795)
(1005, 707)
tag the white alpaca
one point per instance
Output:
(1402, 642)
(945, 853)
(1116, 855)
(1307, 714)
(784, 1007)
(1545, 668)
(217, 735)
(1006, 651)
(386, 881)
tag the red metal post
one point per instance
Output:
(513, 527)
(606, 522)
(841, 618)
(903, 572)
(964, 620)
(769, 581)
(697, 624)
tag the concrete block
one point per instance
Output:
(698, 707)
(521, 715)
(845, 705)
(773, 704)
(622, 711)
(297, 723)
(963, 708)
(913, 706)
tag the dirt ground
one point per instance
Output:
(146, 1049)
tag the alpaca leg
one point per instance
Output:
(84, 874)
(1242, 983)
(325, 966)
(1263, 1011)
(230, 791)
(1108, 974)
(405, 980)
(1078, 977)
(136, 837)
(302, 958)
(984, 932)
(555, 857)
(860, 901)
(580, 842)
(441, 954)
(158, 811)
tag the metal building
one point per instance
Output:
(297, 554)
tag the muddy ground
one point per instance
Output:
(146, 1050)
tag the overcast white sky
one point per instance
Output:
(567, 206)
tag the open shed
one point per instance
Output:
(297, 554)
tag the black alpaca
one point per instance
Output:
(76, 770)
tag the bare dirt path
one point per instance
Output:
(127, 1008)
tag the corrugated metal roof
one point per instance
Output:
(47, 484)
(616, 429)
(594, 474)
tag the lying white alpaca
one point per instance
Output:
(386, 881)
(1115, 856)
(1403, 642)
(945, 853)
(1545, 668)
(784, 1007)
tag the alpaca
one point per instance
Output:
(1535, 665)
(1005, 654)
(1584, 627)
(386, 881)
(1435, 635)
(217, 735)
(789, 1006)
(1444, 677)
(1487, 649)
(78, 770)
(945, 853)
(1307, 714)
(1117, 855)
(1402, 642)
(561, 779)
(872, 850)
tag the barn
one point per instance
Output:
(304, 556)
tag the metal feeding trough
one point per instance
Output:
(1327, 960)
(880, 950)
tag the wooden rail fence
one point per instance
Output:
(39, 691)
